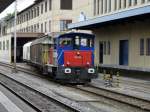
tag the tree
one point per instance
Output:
(9, 16)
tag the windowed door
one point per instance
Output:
(101, 52)
(124, 52)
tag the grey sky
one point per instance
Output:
(22, 4)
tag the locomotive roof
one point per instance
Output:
(43, 40)
(76, 33)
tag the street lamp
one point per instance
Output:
(15, 37)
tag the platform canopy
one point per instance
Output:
(4, 4)
(128, 15)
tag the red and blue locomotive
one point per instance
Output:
(67, 57)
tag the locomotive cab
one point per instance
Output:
(76, 57)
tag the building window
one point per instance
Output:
(94, 7)
(9, 22)
(143, 1)
(7, 44)
(98, 6)
(130, 3)
(32, 14)
(108, 47)
(105, 46)
(28, 29)
(3, 45)
(66, 4)
(135, 2)
(20, 19)
(38, 27)
(45, 26)
(34, 28)
(42, 27)
(29, 15)
(24, 18)
(64, 24)
(41, 8)
(148, 46)
(38, 11)
(102, 6)
(120, 4)
(105, 6)
(46, 6)
(35, 12)
(125, 3)
(115, 4)
(49, 26)
(50, 4)
(109, 6)
(141, 47)
(0, 45)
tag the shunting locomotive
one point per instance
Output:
(67, 57)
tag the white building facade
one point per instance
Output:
(42, 17)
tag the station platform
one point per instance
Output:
(10, 103)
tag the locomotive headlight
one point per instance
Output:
(88, 64)
(68, 63)
(91, 70)
(67, 70)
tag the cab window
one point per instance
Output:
(87, 42)
(65, 42)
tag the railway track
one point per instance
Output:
(26, 70)
(72, 105)
(120, 97)
(141, 104)
(31, 97)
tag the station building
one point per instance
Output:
(122, 30)
(42, 17)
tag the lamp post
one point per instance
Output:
(15, 37)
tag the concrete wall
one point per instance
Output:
(129, 31)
